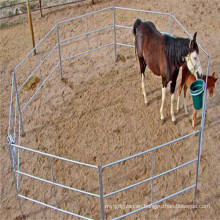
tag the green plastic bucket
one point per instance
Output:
(197, 90)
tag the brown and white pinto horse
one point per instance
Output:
(164, 55)
(187, 79)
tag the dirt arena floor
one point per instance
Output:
(97, 115)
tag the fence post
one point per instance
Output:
(200, 139)
(115, 45)
(152, 174)
(11, 141)
(31, 25)
(60, 60)
(101, 193)
(41, 14)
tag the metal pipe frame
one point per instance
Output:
(53, 156)
(53, 207)
(101, 195)
(155, 203)
(151, 178)
(53, 183)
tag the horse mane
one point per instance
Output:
(175, 49)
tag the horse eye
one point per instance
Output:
(195, 58)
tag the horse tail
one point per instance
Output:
(136, 24)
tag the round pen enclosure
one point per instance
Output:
(80, 138)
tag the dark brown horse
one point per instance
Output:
(164, 55)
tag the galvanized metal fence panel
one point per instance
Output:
(16, 129)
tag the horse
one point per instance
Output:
(187, 79)
(164, 54)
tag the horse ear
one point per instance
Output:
(213, 74)
(194, 37)
(193, 41)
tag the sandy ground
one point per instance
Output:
(97, 115)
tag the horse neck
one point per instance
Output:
(187, 76)
(176, 49)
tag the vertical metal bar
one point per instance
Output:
(18, 150)
(200, 139)
(152, 174)
(115, 45)
(19, 108)
(11, 104)
(171, 24)
(101, 193)
(87, 30)
(15, 117)
(52, 177)
(59, 51)
(13, 171)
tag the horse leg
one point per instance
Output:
(171, 109)
(172, 90)
(162, 104)
(143, 88)
(178, 100)
(194, 119)
(185, 107)
(180, 89)
(142, 68)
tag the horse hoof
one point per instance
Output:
(162, 121)
(174, 122)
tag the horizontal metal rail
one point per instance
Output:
(190, 35)
(53, 156)
(53, 207)
(155, 203)
(85, 15)
(35, 47)
(39, 88)
(57, 184)
(139, 10)
(151, 178)
(37, 67)
(122, 26)
(150, 150)
(87, 33)
(88, 51)
(125, 45)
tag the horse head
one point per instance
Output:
(192, 59)
(211, 83)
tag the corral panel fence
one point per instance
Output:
(10, 9)
(19, 104)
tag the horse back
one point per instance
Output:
(148, 42)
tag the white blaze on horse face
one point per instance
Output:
(193, 64)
